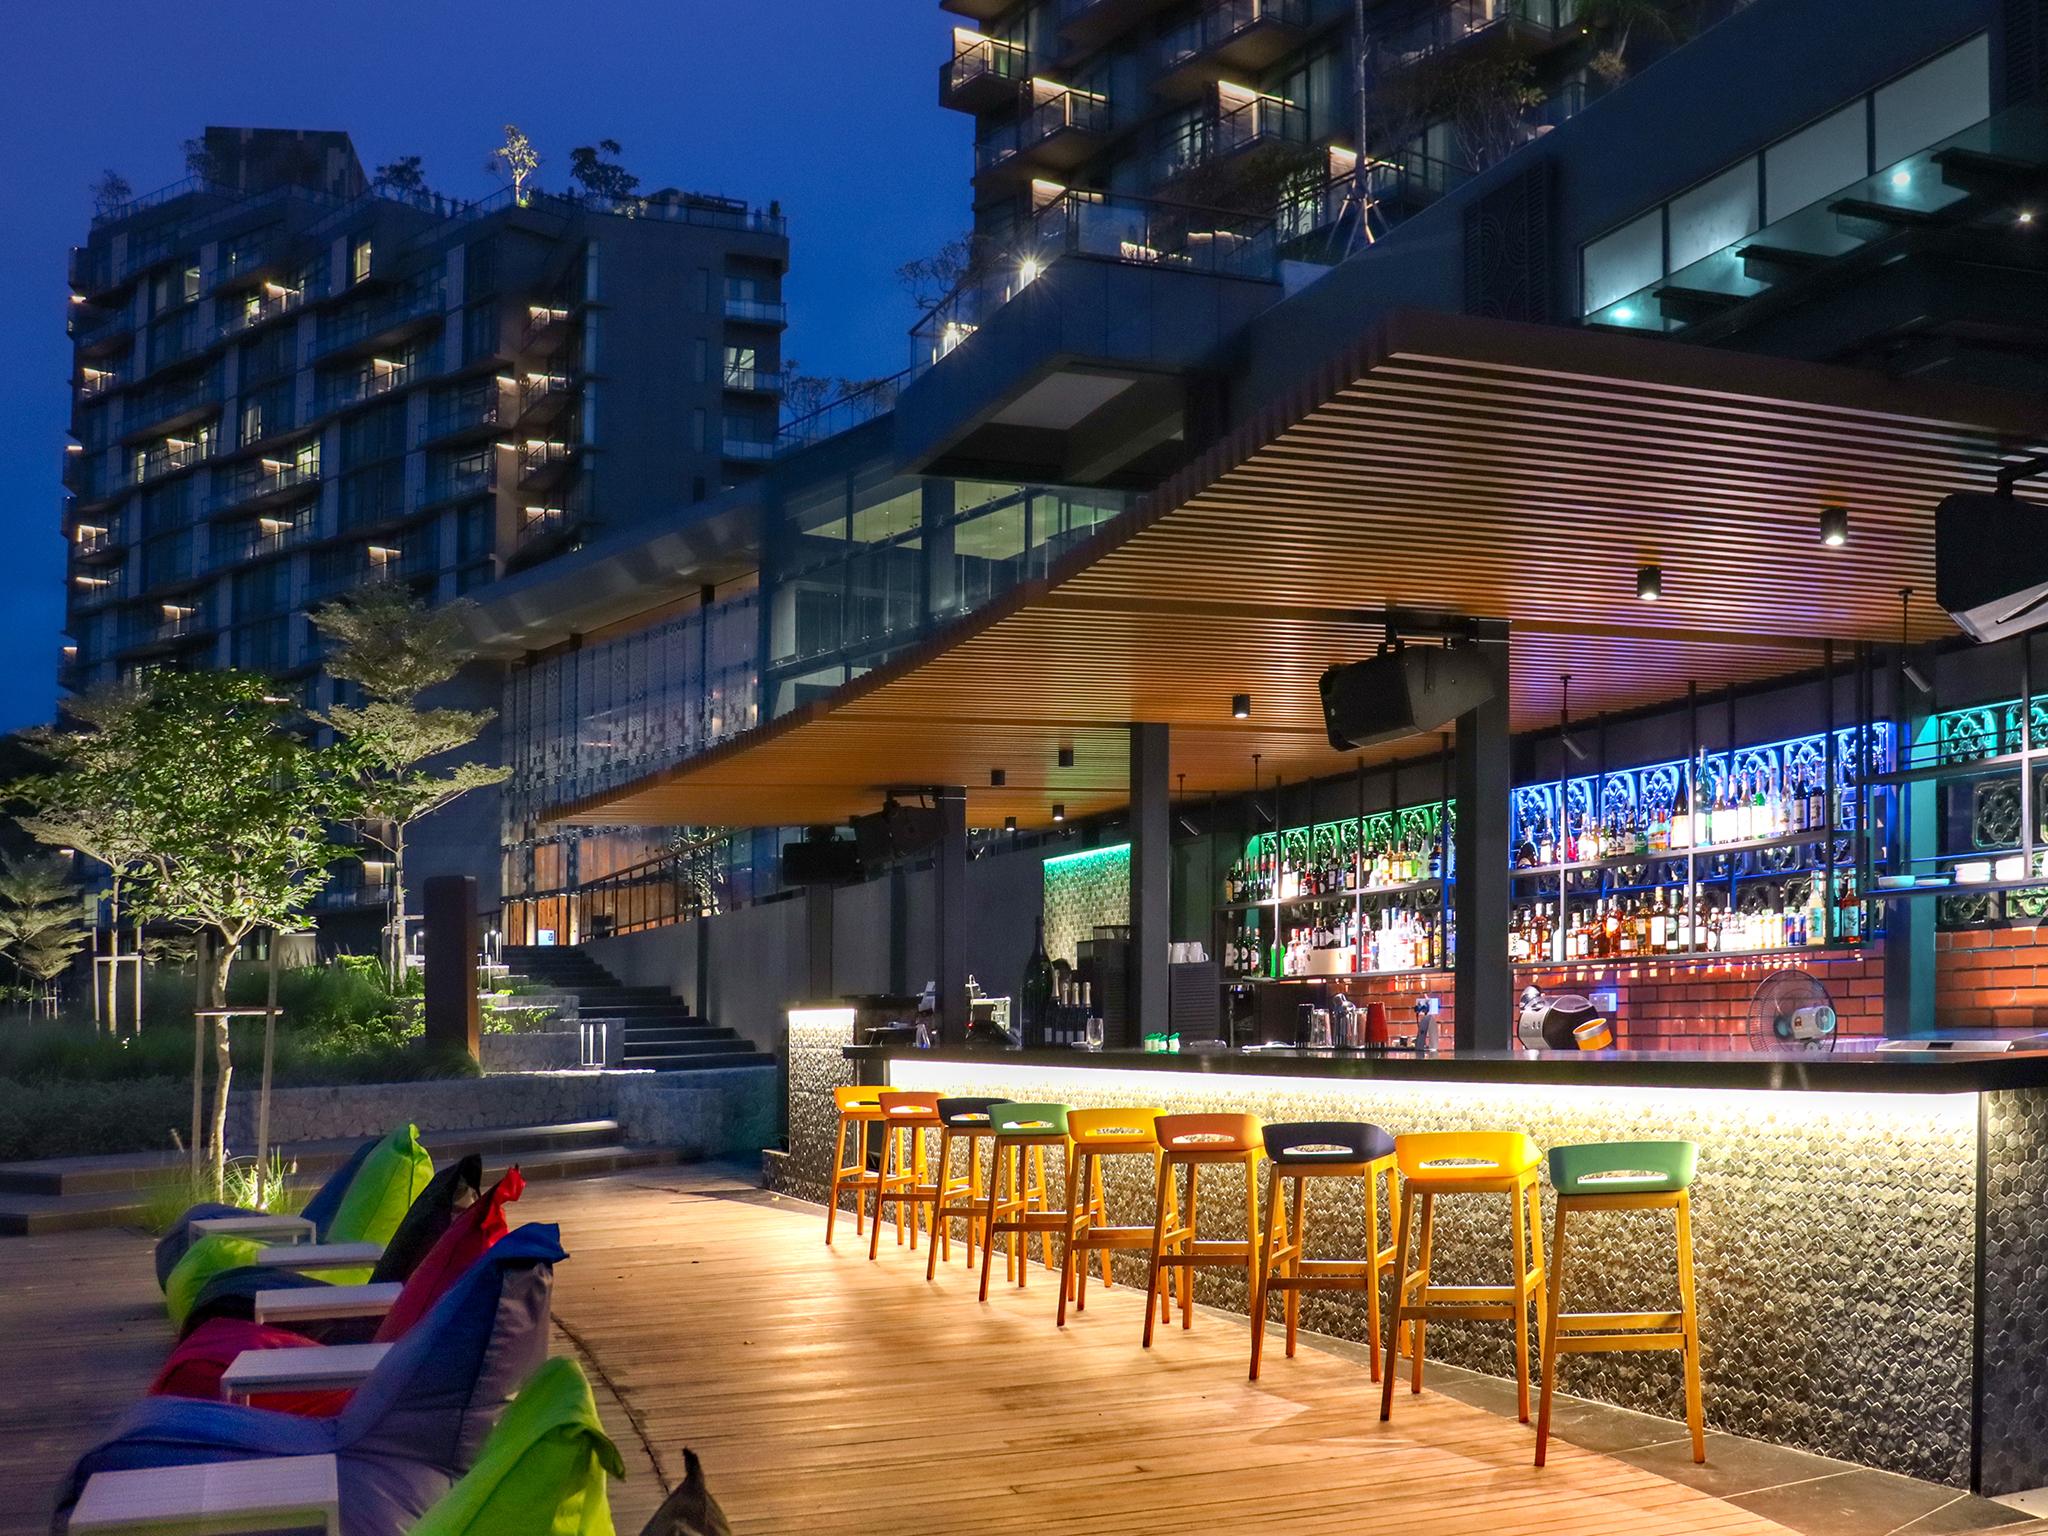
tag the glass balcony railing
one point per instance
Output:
(983, 69)
(1239, 123)
(270, 478)
(1063, 112)
(747, 447)
(843, 414)
(1441, 28)
(759, 381)
(1224, 22)
(1135, 231)
(757, 311)
(1905, 193)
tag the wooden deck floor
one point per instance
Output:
(829, 1394)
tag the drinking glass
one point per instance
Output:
(1095, 1034)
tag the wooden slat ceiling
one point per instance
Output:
(1454, 465)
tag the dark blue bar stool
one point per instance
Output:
(960, 1120)
(1321, 1149)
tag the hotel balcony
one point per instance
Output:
(94, 330)
(978, 10)
(165, 409)
(1243, 120)
(94, 382)
(273, 480)
(266, 536)
(380, 378)
(544, 323)
(546, 462)
(1088, 24)
(1057, 128)
(91, 591)
(753, 381)
(381, 325)
(175, 454)
(97, 544)
(984, 73)
(545, 394)
(465, 421)
(179, 627)
(1230, 37)
(747, 447)
(770, 312)
(456, 485)
(1473, 24)
(258, 307)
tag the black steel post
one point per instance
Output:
(949, 909)
(1151, 878)
(1484, 986)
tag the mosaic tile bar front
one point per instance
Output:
(1836, 1240)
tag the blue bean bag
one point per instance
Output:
(319, 1210)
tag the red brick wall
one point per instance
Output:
(1996, 976)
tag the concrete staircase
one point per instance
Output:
(660, 1033)
(66, 1194)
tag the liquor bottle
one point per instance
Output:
(1760, 813)
(1035, 993)
(1816, 800)
(1546, 844)
(1848, 912)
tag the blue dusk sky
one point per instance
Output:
(829, 106)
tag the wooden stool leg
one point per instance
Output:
(1067, 1244)
(1187, 1271)
(1098, 1209)
(1401, 1229)
(860, 1194)
(1162, 1186)
(1521, 1233)
(1298, 1252)
(832, 1200)
(1372, 1270)
(890, 1140)
(942, 1229)
(1537, 1269)
(1252, 1228)
(1688, 1301)
(995, 1192)
(1265, 1277)
(1553, 1291)
(920, 1171)
(1420, 1326)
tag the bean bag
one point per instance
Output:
(232, 1292)
(542, 1471)
(416, 1425)
(690, 1510)
(370, 1209)
(195, 1366)
(319, 1211)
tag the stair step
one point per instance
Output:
(705, 1062)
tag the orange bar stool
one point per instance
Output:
(906, 1123)
(1624, 1176)
(963, 1120)
(1435, 1163)
(1321, 1149)
(860, 1106)
(1096, 1134)
(1192, 1142)
(1022, 1132)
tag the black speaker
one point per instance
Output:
(897, 831)
(1402, 691)
(833, 862)
(1991, 563)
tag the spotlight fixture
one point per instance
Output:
(1059, 811)
(997, 778)
(2026, 215)
(1834, 526)
(1240, 706)
(1564, 719)
(1066, 757)
(1009, 823)
(1911, 669)
(1649, 582)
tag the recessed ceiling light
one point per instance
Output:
(1066, 757)
(1059, 811)
(1649, 582)
(1240, 706)
(1834, 526)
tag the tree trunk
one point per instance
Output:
(397, 935)
(223, 1059)
(113, 1014)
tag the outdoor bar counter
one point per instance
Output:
(1871, 1230)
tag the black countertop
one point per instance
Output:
(1859, 1071)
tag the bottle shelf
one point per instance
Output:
(1298, 981)
(1836, 950)
(1368, 892)
(1676, 855)
(1973, 768)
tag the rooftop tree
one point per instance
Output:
(110, 191)
(402, 178)
(516, 160)
(601, 177)
(397, 649)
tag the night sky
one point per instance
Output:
(829, 106)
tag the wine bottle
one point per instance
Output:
(1035, 994)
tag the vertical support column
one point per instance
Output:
(899, 930)
(1909, 926)
(949, 913)
(818, 913)
(1151, 879)
(450, 1003)
(1484, 985)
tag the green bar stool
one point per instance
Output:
(1624, 1176)
(1022, 1133)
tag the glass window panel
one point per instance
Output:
(1816, 161)
(889, 519)
(1619, 263)
(1714, 214)
(1941, 97)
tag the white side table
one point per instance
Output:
(275, 1493)
(276, 1229)
(316, 1369)
(324, 1303)
(320, 1255)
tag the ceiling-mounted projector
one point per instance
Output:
(1402, 691)
(1991, 563)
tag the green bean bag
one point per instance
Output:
(377, 1200)
(542, 1470)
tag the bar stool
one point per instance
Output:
(1624, 1176)
(1023, 1132)
(1193, 1142)
(905, 1120)
(965, 1120)
(1321, 1149)
(1096, 1134)
(1437, 1163)
(859, 1107)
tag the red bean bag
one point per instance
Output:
(195, 1366)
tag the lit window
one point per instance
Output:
(359, 261)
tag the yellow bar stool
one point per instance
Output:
(1435, 1163)
(1022, 1132)
(859, 1107)
(1624, 1176)
(965, 1121)
(1321, 1149)
(1192, 1142)
(906, 1123)
(1095, 1134)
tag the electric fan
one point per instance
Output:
(1791, 1012)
